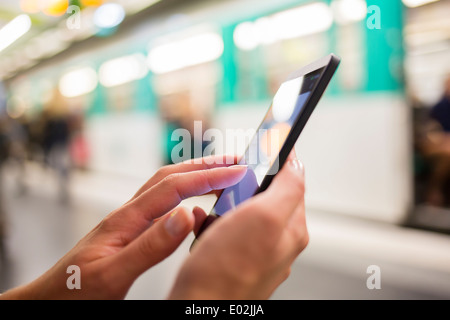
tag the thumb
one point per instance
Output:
(157, 242)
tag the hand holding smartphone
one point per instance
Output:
(268, 150)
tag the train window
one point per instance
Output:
(121, 98)
(185, 96)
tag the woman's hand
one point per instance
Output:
(136, 236)
(247, 254)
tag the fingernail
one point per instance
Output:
(175, 224)
(297, 165)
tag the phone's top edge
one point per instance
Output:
(330, 59)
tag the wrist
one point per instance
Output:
(25, 292)
(209, 287)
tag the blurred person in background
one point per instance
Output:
(56, 139)
(18, 143)
(434, 143)
(178, 112)
(4, 152)
(79, 146)
(172, 109)
(441, 111)
(13, 153)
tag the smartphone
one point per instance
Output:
(269, 148)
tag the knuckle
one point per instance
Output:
(146, 248)
(170, 180)
(302, 240)
(208, 181)
(298, 186)
(164, 171)
(287, 273)
(106, 224)
(299, 238)
(306, 238)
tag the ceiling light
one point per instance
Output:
(109, 15)
(123, 70)
(192, 50)
(15, 29)
(417, 3)
(297, 22)
(305, 20)
(93, 3)
(30, 6)
(246, 36)
(348, 11)
(54, 8)
(78, 82)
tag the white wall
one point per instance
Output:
(125, 144)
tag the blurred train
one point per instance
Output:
(221, 62)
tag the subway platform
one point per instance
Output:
(413, 263)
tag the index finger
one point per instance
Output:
(210, 162)
(171, 190)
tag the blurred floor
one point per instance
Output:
(414, 264)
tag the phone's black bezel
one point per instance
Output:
(329, 65)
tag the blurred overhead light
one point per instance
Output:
(78, 82)
(30, 6)
(266, 34)
(301, 21)
(14, 30)
(417, 3)
(348, 11)
(305, 20)
(187, 52)
(54, 8)
(109, 15)
(123, 70)
(92, 3)
(246, 36)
